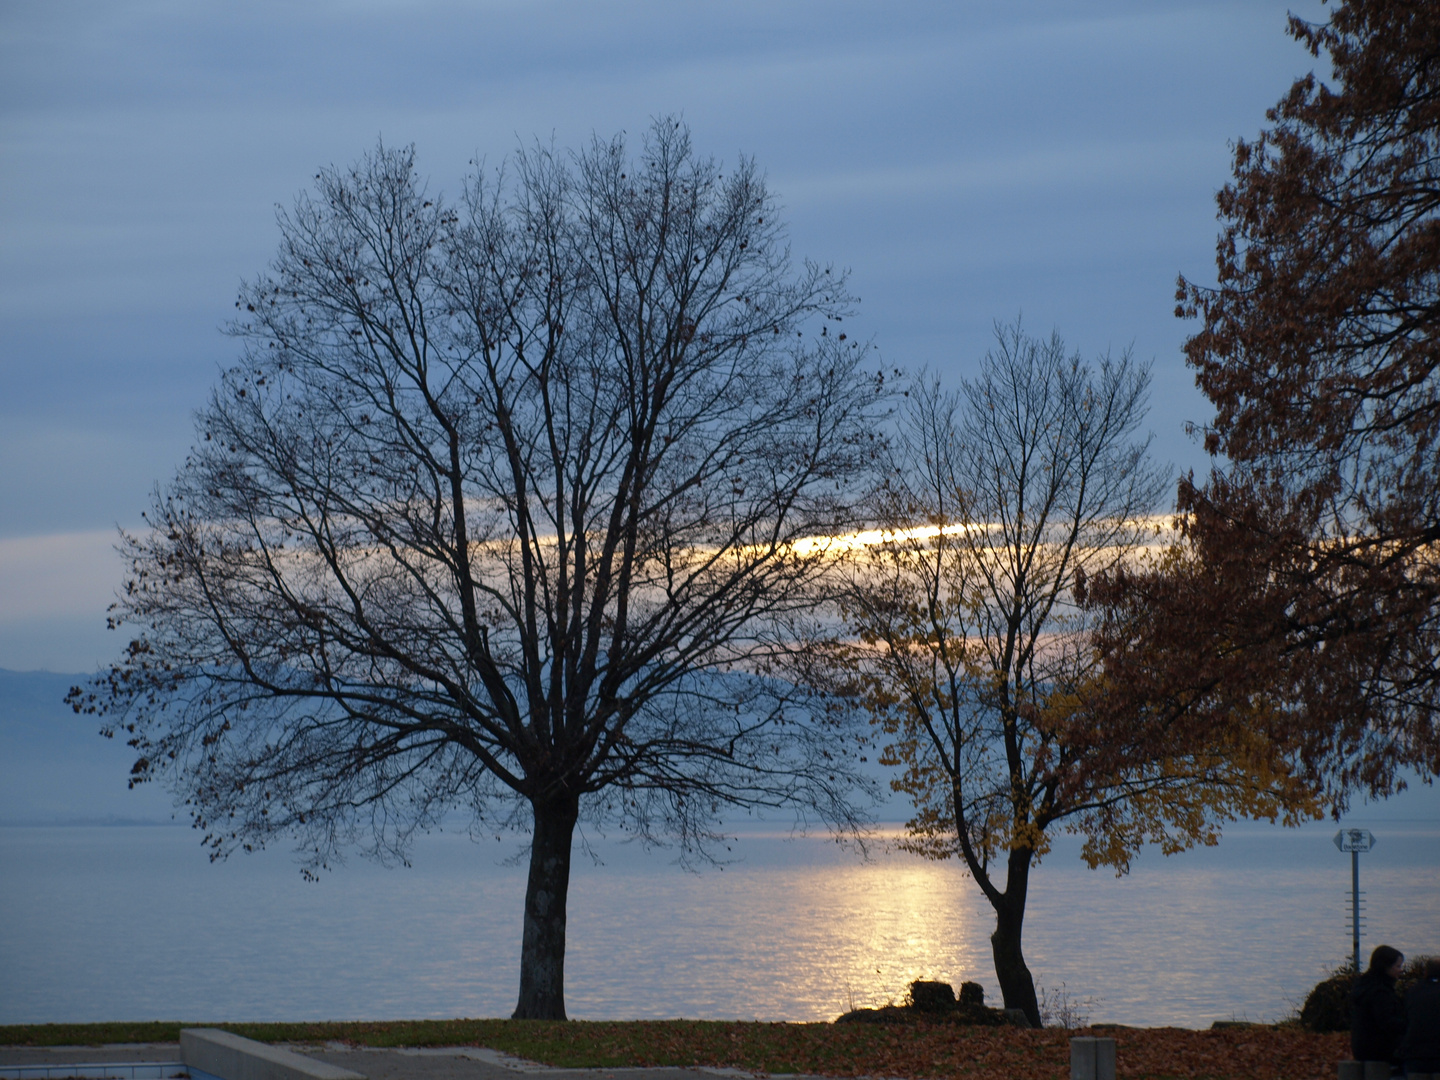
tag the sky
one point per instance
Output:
(967, 161)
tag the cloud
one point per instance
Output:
(966, 161)
(59, 575)
(54, 590)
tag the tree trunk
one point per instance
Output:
(542, 950)
(1017, 987)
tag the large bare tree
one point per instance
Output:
(975, 659)
(498, 511)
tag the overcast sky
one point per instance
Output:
(967, 161)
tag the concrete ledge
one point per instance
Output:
(232, 1057)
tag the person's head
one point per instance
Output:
(1386, 960)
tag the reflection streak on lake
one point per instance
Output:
(132, 923)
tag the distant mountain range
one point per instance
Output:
(56, 769)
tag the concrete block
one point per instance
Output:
(1092, 1059)
(232, 1057)
(1377, 1070)
(1352, 1070)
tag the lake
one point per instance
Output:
(133, 923)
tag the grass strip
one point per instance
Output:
(920, 1051)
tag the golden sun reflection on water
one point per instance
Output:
(792, 942)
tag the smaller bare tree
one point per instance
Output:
(974, 659)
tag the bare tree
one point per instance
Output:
(499, 511)
(975, 661)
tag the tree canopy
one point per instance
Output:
(499, 511)
(1306, 573)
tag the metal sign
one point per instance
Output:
(1354, 840)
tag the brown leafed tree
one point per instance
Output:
(1307, 572)
(497, 513)
(976, 662)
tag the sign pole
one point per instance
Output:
(1355, 905)
(1355, 841)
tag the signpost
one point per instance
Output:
(1355, 841)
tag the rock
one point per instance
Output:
(976, 1016)
(889, 1014)
(934, 1002)
(931, 997)
(963, 1015)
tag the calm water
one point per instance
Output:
(110, 923)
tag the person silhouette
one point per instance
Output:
(1377, 1020)
(1420, 1048)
